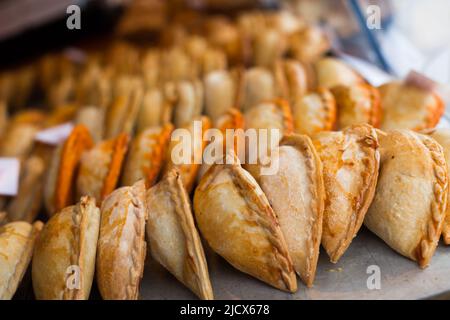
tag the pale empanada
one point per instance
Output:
(332, 72)
(188, 163)
(442, 136)
(409, 107)
(357, 104)
(291, 80)
(156, 110)
(17, 240)
(173, 238)
(93, 118)
(220, 93)
(237, 221)
(26, 204)
(308, 44)
(257, 85)
(121, 115)
(314, 112)
(409, 206)
(189, 102)
(350, 161)
(296, 194)
(59, 184)
(64, 257)
(100, 168)
(146, 156)
(121, 245)
(269, 45)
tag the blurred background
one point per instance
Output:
(408, 34)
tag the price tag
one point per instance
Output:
(9, 176)
(55, 135)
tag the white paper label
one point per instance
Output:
(55, 135)
(9, 176)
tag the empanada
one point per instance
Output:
(269, 45)
(189, 102)
(146, 156)
(64, 257)
(308, 44)
(409, 206)
(17, 240)
(237, 221)
(257, 85)
(297, 195)
(332, 72)
(100, 168)
(314, 112)
(220, 93)
(121, 245)
(26, 204)
(191, 138)
(442, 136)
(173, 238)
(350, 161)
(59, 185)
(291, 80)
(93, 118)
(408, 107)
(357, 104)
(156, 110)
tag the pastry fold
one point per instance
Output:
(146, 156)
(59, 186)
(121, 246)
(297, 195)
(409, 206)
(406, 106)
(173, 239)
(100, 168)
(64, 257)
(237, 221)
(17, 240)
(350, 160)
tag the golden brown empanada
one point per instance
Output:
(291, 80)
(237, 221)
(176, 158)
(26, 204)
(220, 93)
(332, 72)
(156, 110)
(100, 168)
(59, 185)
(121, 245)
(257, 85)
(357, 104)
(350, 161)
(64, 257)
(296, 193)
(121, 115)
(408, 107)
(269, 46)
(189, 102)
(314, 112)
(173, 238)
(442, 136)
(146, 156)
(17, 240)
(409, 206)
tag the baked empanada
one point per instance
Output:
(121, 245)
(192, 138)
(26, 204)
(296, 193)
(237, 221)
(350, 161)
(121, 115)
(189, 102)
(59, 185)
(257, 85)
(442, 136)
(156, 110)
(357, 104)
(17, 241)
(409, 206)
(146, 156)
(409, 107)
(332, 72)
(314, 112)
(308, 44)
(93, 118)
(291, 80)
(173, 238)
(220, 93)
(100, 168)
(64, 257)
(269, 45)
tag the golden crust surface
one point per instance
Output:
(350, 161)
